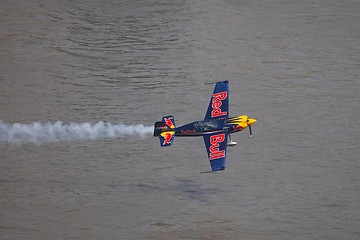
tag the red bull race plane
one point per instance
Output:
(215, 128)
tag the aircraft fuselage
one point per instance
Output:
(204, 127)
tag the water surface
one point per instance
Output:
(292, 65)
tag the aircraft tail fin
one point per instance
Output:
(165, 131)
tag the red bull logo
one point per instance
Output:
(216, 104)
(169, 122)
(167, 138)
(215, 141)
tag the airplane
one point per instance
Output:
(215, 128)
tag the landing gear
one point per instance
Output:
(230, 142)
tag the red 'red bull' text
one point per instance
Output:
(216, 104)
(215, 153)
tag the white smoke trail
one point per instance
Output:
(52, 132)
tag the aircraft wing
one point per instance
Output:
(219, 103)
(216, 144)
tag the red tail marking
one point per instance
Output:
(169, 122)
(167, 139)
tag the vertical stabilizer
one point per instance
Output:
(165, 130)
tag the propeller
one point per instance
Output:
(249, 125)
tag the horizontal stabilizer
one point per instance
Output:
(165, 130)
(166, 138)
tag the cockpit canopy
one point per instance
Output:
(205, 126)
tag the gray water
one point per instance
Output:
(292, 65)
